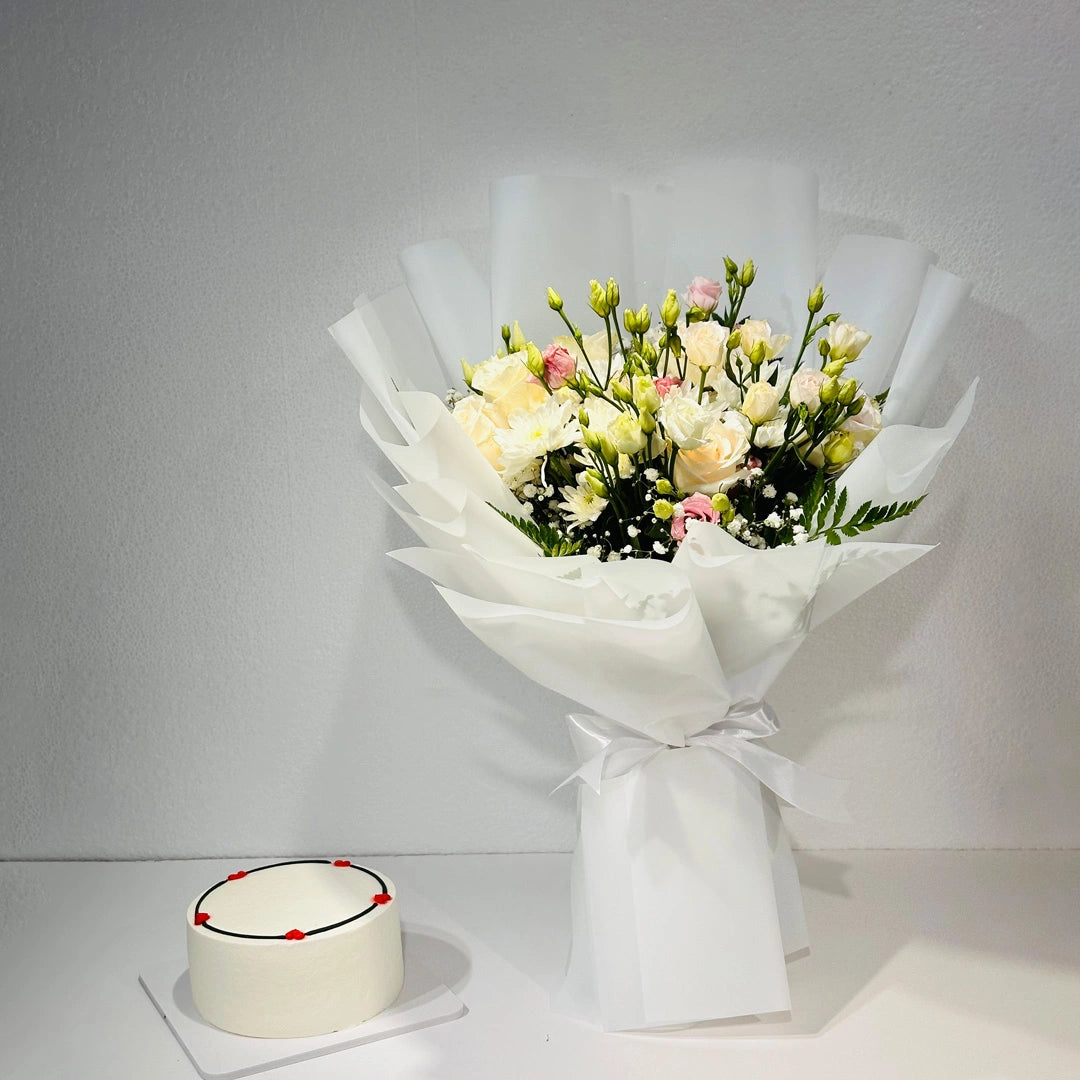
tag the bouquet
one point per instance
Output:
(613, 445)
(649, 518)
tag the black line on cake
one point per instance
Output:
(307, 933)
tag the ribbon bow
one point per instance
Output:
(609, 749)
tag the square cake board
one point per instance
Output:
(220, 1055)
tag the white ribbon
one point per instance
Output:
(609, 750)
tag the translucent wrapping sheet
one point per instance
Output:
(685, 894)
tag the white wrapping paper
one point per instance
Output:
(685, 894)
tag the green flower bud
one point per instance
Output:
(467, 370)
(669, 310)
(612, 294)
(608, 451)
(848, 390)
(830, 319)
(517, 338)
(856, 406)
(506, 336)
(647, 422)
(757, 354)
(721, 503)
(816, 300)
(591, 440)
(598, 299)
(663, 486)
(646, 396)
(648, 352)
(596, 482)
(839, 448)
(534, 360)
(583, 418)
(835, 368)
(823, 347)
(734, 338)
(663, 509)
(554, 300)
(629, 319)
(830, 388)
(644, 319)
(621, 392)
(747, 274)
(696, 314)
(731, 268)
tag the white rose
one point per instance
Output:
(686, 421)
(751, 331)
(805, 388)
(704, 343)
(715, 464)
(846, 341)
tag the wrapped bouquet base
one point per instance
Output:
(652, 523)
(685, 896)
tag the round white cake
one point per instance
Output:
(295, 948)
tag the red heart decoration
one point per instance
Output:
(201, 917)
(238, 875)
(295, 935)
(381, 898)
(342, 862)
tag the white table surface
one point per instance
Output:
(924, 965)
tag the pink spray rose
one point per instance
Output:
(666, 383)
(704, 293)
(559, 365)
(698, 507)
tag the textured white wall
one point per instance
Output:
(203, 649)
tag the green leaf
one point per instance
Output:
(546, 537)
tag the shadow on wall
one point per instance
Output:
(469, 748)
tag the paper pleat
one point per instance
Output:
(742, 209)
(923, 357)
(558, 232)
(615, 667)
(876, 283)
(900, 463)
(455, 303)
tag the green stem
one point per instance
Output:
(576, 335)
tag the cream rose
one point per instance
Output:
(704, 343)
(805, 388)
(752, 331)
(761, 402)
(472, 414)
(508, 385)
(864, 425)
(715, 464)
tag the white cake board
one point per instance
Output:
(219, 1055)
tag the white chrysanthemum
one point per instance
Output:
(535, 433)
(581, 505)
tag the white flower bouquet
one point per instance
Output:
(649, 519)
